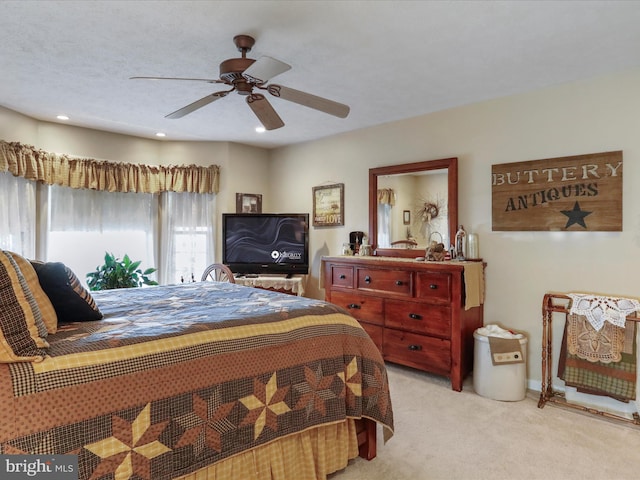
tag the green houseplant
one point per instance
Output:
(116, 273)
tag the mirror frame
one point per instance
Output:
(450, 164)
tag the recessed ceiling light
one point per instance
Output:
(62, 117)
(260, 129)
(160, 134)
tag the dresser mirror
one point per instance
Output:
(418, 203)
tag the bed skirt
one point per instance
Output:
(312, 455)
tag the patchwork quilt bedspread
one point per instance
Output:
(175, 378)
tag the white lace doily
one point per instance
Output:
(599, 309)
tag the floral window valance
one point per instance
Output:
(387, 195)
(55, 169)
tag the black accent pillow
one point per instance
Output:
(71, 301)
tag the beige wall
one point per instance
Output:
(17, 128)
(586, 117)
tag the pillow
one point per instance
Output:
(35, 325)
(48, 313)
(20, 340)
(71, 301)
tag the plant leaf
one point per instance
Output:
(115, 273)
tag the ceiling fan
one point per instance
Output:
(245, 75)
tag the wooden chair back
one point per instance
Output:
(218, 272)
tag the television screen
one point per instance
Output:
(266, 242)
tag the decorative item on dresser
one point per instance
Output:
(419, 314)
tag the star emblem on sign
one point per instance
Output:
(575, 216)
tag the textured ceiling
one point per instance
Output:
(388, 60)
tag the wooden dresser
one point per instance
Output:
(414, 311)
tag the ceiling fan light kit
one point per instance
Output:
(246, 74)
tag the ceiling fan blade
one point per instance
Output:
(264, 111)
(198, 104)
(312, 101)
(264, 69)
(208, 80)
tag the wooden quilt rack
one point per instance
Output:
(559, 303)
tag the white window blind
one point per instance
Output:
(17, 215)
(188, 232)
(84, 224)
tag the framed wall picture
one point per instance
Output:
(406, 217)
(328, 205)
(248, 203)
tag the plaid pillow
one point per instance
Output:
(48, 313)
(20, 340)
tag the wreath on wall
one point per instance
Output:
(428, 211)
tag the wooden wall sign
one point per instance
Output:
(579, 193)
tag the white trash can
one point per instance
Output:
(503, 375)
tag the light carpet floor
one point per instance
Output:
(443, 434)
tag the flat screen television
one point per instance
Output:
(258, 243)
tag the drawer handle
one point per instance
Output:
(415, 348)
(399, 282)
(433, 286)
(343, 276)
(367, 279)
(415, 316)
(354, 305)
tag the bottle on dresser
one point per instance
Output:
(461, 243)
(473, 247)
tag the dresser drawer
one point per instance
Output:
(375, 332)
(362, 307)
(418, 351)
(418, 317)
(396, 282)
(434, 287)
(341, 276)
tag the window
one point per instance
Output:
(173, 232)
(18, 215)
(384, 225)
(84, 224)
(188, 232)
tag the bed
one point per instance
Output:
(203, 380)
